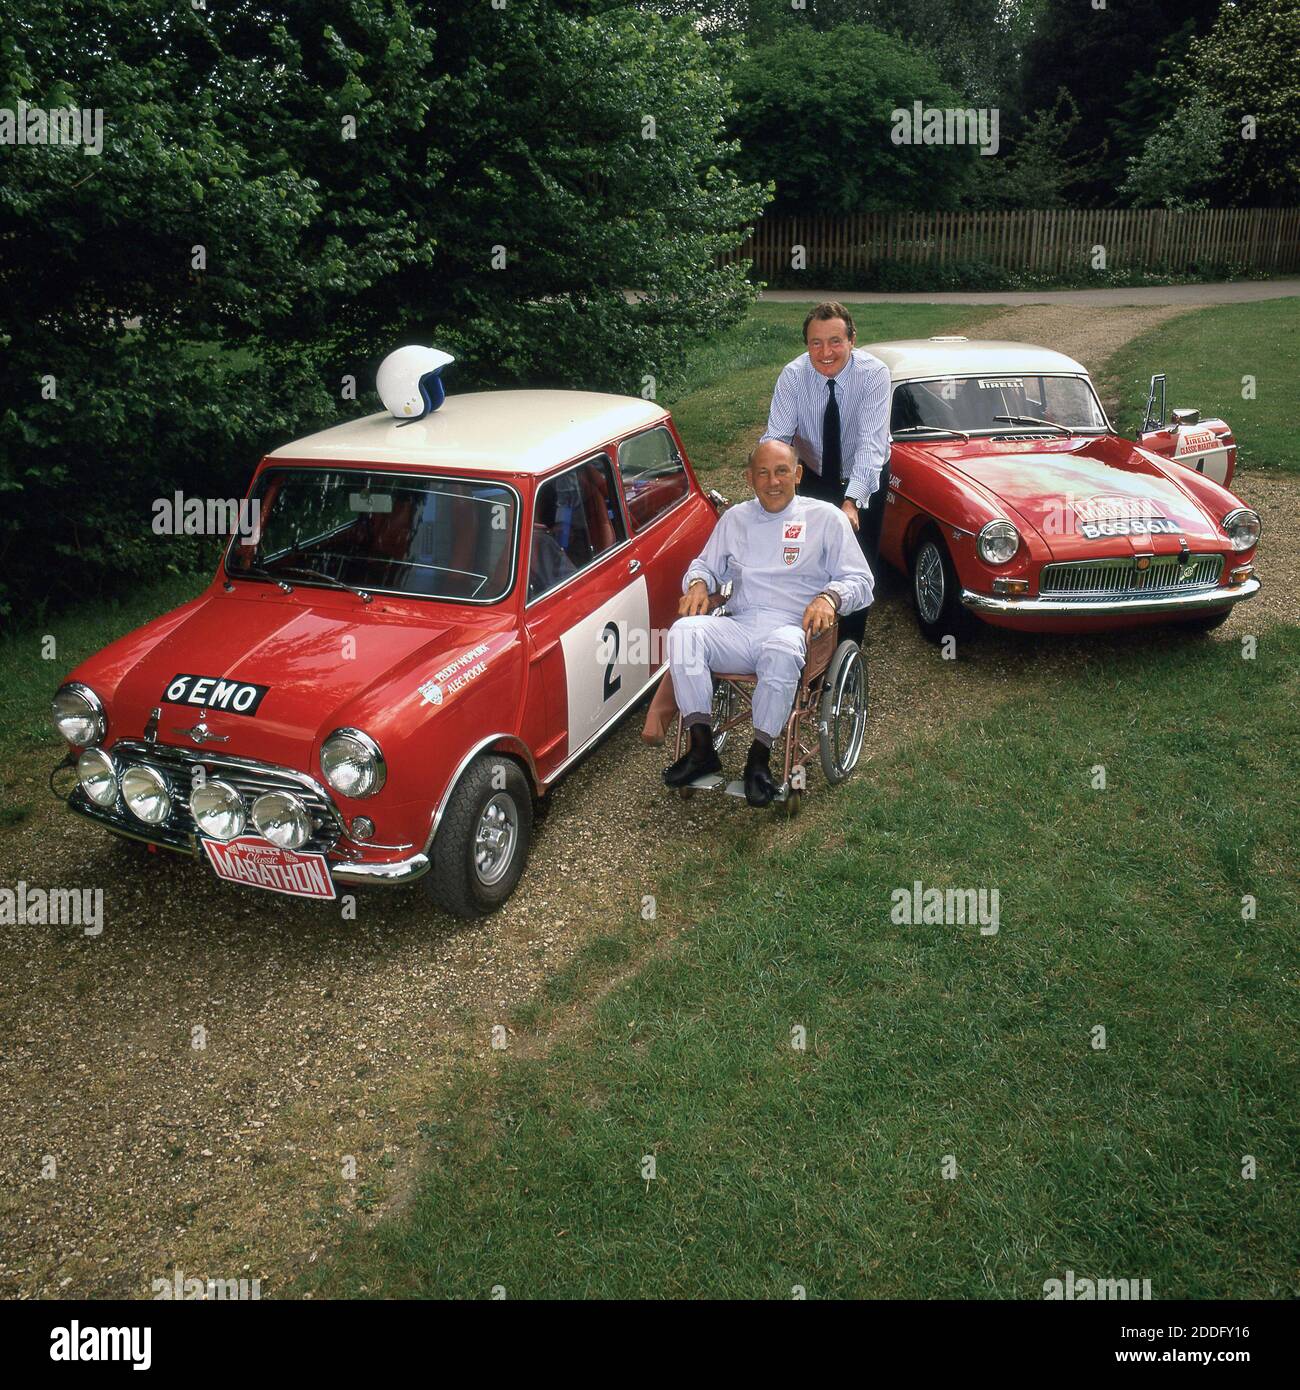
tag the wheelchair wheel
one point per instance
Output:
(790, 807)
(724, 708)
(842, 715)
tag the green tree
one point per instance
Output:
(815, 115)
(1181, 159)
(1247, 67)
(287, 190)
(1103, 56)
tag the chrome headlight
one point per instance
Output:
(145, 794)
(218, 810)
(998, 542)
(98, 777)
(1242, 528)
(283, 819)
(352, 763)
(78, 715)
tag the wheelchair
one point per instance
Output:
(829, 717)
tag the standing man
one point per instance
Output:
(832, 406)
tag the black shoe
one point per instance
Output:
(700, 759)
(759, 787)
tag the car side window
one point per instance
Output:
(654, 476)
(576, 519)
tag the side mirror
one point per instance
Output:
(1186, 417)
(1151, 420)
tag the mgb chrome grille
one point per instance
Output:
(176, 766)
(1121, 578)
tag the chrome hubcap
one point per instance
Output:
(495, 839)
(929, 582)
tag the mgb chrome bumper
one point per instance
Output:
(1203, 600)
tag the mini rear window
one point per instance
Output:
(654, 476)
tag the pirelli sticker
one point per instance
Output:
(215, 692)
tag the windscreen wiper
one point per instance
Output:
(257, 572)
(328, 578)
(1034, 420)
(931, 429)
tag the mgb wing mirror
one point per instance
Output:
(1152, 420)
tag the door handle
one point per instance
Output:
(634, 566)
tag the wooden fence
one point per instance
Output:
(1058, 241)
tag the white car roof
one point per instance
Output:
(493, 431)
(909, 359)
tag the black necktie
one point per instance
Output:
(831, 440)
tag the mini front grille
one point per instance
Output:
(250, 779)
(1121, 578)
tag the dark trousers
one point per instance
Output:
(870, 519)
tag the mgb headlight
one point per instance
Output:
(78, 715)
(998, 542)
(352, 763)
(1242, 528)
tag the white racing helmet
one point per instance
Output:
(409, 383)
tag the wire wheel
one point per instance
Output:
(929, 582)
(842, 717)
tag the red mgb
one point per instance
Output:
(1013, 498)
(433, 620)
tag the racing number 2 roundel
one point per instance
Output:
(606, 661)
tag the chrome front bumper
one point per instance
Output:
(181, 839)
(1203, 600)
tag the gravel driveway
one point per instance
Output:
(325, 1040)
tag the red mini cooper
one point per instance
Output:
(1012, 497)
(434, 619)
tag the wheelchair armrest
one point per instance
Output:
(820, 650)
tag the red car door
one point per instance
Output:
(586, 603)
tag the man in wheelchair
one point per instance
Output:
(794, 565)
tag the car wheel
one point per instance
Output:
(482, 844)
(936, 590)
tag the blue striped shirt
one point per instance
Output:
(862, 389)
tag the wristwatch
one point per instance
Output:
(832, 598)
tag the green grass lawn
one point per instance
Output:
(823, 1168)
(1206, 355)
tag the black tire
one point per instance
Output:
(936, 590)
(467, 877)
(845, 687)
